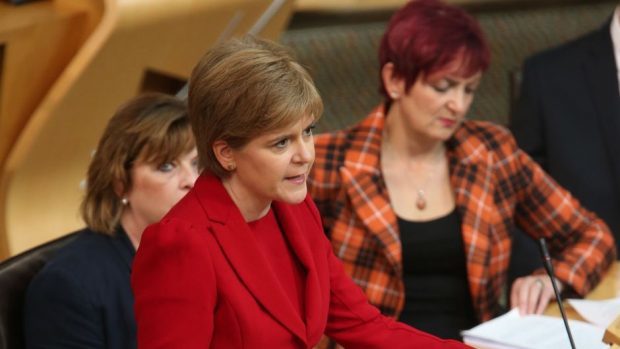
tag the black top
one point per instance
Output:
(82, 298)
(437, 297)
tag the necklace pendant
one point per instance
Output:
(420, 202)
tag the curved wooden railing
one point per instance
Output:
(133, 41)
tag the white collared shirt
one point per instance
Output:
(615, 39)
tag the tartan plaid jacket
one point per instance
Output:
(496, 187)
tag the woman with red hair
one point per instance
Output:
(419, 203)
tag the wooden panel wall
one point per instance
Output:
(40, 183)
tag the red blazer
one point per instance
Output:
(200, 281)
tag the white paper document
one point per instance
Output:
(599, 313)
(513, 331)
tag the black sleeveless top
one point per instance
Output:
(437, 297)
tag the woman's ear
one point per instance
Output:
(224, 155)
(394, 84)
(119, 188)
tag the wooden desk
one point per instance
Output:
(608, 288)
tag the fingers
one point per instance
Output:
(514, 291)
(531, 294)
(546, 296)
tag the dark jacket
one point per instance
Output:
(82, 298)
(568, 119)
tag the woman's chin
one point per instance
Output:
(294, 198)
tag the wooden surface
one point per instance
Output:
(37, 42)
(40, 182)
(608, 288)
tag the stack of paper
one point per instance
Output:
(599, 313)
(513, 331)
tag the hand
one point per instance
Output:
(532, 294)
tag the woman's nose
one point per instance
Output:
(459, 102)
(305, 152)
(188, 176)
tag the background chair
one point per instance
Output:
(15, 275)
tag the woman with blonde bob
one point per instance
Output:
(145, 162)
(242, 261)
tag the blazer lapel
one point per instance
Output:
(471, 178)
(366, 190)
(602, 81)
(371, 203)
(297, 236)
(241, 248)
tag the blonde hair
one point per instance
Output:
(243, 88)
(153, 128)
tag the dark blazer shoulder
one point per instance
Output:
(564, 56)
(84, 255)
(82, 297)
(93, 261)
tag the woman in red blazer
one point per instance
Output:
(242, 260)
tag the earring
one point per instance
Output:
(394, 94)
(231, 167)
(124, 201)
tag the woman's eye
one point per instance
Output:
(309, 130)
(166, 167)
(281, 143)
(470, 90)
(441, 87)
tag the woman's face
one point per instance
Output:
(155, 188)
(274, 166)
(436, 105)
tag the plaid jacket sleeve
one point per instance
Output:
(581, 244)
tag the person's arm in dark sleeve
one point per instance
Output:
(59, 314)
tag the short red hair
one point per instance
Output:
(427, 36)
